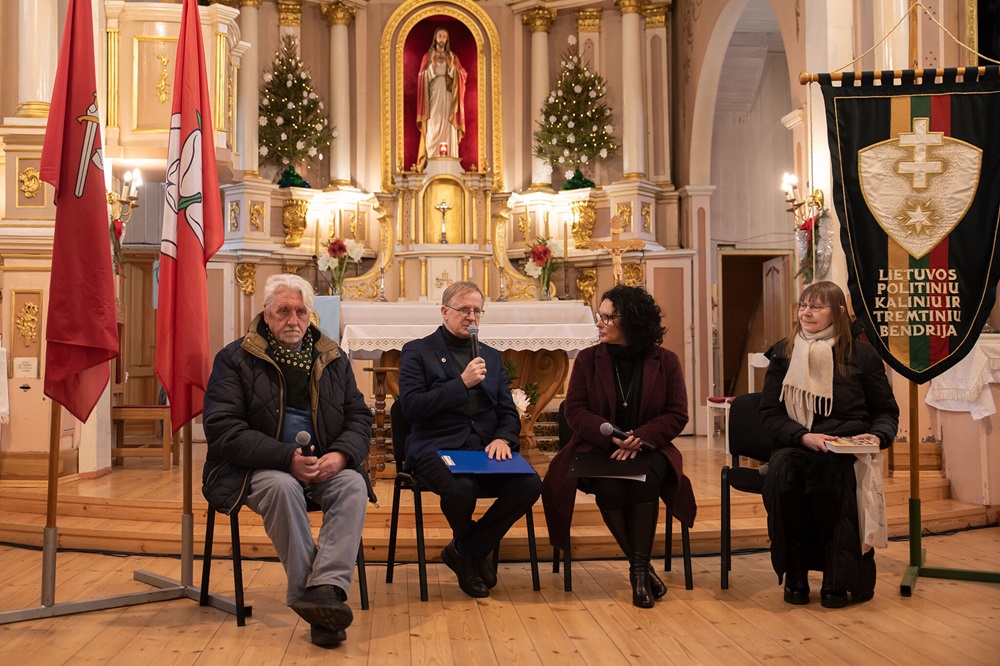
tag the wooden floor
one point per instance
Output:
(944, 622)
(136, 509)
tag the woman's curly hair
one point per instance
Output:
(640, 316)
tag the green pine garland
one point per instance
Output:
(575, 127)
(292, 124)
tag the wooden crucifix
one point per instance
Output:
(616, 247)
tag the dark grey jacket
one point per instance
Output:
(245, 406)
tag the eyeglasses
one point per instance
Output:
(811, 307)
(605, 318)
(465, 312)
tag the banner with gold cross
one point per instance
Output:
(916, 171)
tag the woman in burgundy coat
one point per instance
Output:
(632, 382)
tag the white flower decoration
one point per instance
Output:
(264, 102)
(284, 160)
(604, 152)
(263, 151)
(552, 119)
(546, 170)
(355, 250)
(521, 400)
(321, 157)
(569, 176)
(571, 39)
(263, 121)
(268, 77)
(593, 94)
(562, 160)
(319, 126)
(609, 128)
(288, 83)
(312, 152)
(555, 246)
(532, 269)
(299, 145)
(566, 152)
(279, 121)
(584, 158)
(284, 137)
(291, 105)
(570, 124)
(571, 138)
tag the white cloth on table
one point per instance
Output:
(965, 386)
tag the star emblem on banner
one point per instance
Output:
(918, 217)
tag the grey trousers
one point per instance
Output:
(281, 500)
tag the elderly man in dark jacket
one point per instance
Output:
(457, 401)
(284, 378)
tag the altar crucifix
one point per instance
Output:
(444, 208)
(616, 247)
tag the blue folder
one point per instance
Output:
(461, 461)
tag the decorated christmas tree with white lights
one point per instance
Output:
(293, 126)
(574, 127)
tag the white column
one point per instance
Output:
(37, 56)
(539, 22)
(658, 86)
(339, 15)
(249, 80)
(633, 126)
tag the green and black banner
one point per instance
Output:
(916, 185)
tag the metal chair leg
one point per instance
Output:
(234, 525)
(206, 565)
(362, 575)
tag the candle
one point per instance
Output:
(443, 149)
(126, 182)
(136, 182)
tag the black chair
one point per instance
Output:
(243, 611)
(400, 431)
(746, 439)
(565, 434)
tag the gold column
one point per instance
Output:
(423, 277)
(588, 20)
(113, 41)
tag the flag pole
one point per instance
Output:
(51, 535)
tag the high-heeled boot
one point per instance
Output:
(641, 529)
(796, 576)
(618, 526)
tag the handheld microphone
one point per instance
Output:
(474, 340)
(609, 430)
(302, 439)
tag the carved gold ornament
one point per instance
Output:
(588, 20)
(624, 212)
(290, 268)
(630, 6)
(633, 274)
(656, 15)
(30, 182)
(162, 88)
(443, 280)
(516, 284)
(646, 213)
(539, 19)
(338, 13)
(294, 220)
(246, 277)
(27, 323)
(371, 285)
(234, 215)
(289, 13)
(586, 283)
(524, 224)
(257, 214)
(583, 214)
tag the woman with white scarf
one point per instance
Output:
(821, 384)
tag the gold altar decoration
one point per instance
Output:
(449, 191)
(588, 20)
(246, 277)
(162, 88)
(624, 211)
(338, 12)
(586, 284)
(234, 215)
(30, 182)
(516, 284)
(646, 213)
(293, 217)
(656, 15)
(371, 283)
(630, 6)
(616, 248)
(257, 214)
(289, 13)
(538, 19)
(633, 274)
(290, 268)
(583, 214)
(26, 322)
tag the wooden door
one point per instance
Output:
(777, 299)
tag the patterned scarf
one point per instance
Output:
(297, 360)
(808, 384)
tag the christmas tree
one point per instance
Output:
(575, 124)
(292, 124)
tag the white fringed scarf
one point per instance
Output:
(808, 384)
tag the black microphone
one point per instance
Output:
(611, 431)
(474, 340)
(302, 439)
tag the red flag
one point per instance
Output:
(82, 332)
(192, 231)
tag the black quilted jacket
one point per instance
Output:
(244, 409)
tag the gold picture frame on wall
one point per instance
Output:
(24, 344)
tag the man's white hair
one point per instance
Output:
(291, 282)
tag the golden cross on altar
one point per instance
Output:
(617, 247)
(444, 208)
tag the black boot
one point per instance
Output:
(617, 525)
(797, 576)
(641, 529)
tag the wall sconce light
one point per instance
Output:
(801, 209)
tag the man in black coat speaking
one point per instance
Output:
(286, 380)
(455, 400)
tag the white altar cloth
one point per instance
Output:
(368, 329)
(965, 386)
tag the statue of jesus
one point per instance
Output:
(440, 101)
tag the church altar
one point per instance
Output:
(539, 337)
